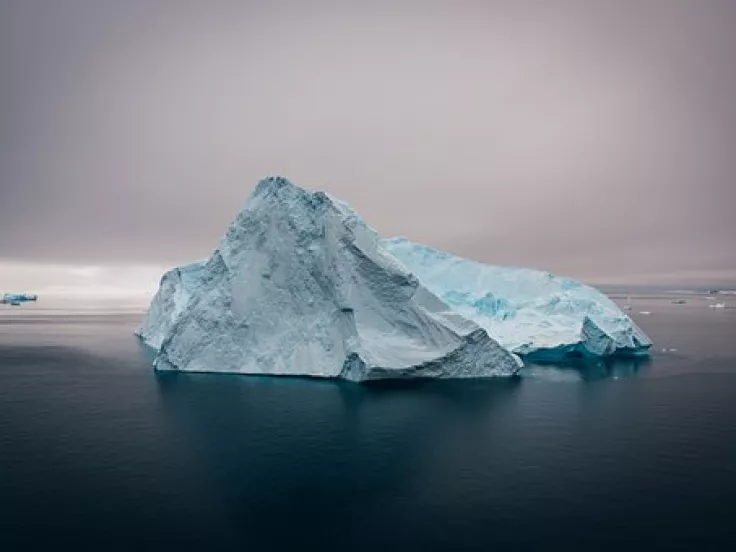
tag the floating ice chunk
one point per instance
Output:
(18, 298)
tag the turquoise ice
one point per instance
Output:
(530, 312)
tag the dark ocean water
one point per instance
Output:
(98, 452)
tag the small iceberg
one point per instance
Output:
(533, 313)
(16, 299)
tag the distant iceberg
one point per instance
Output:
(18, 298)
(300, 285)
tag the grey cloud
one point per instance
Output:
(590, 138)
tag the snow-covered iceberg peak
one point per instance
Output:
(530, 312)
(300, 285)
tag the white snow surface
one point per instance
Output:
(300, 285)
(530, 312)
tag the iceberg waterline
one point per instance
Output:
(300, 285)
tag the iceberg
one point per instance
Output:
(18, 298)
(532, 313)
(300, 285)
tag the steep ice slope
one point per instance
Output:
(174, 291)
(300, 286)
(528, 311)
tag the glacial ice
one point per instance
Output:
(300, 285)
(15, 298)
(175, 290)
(532, 313)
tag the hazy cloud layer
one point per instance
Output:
(596, 139)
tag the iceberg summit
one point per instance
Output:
(300, 285)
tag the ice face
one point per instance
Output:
(300, 285)
(174, 292)
(530, 312)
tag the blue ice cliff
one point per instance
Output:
(300, 285)
(532, 313)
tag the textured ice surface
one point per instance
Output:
(300, 285)
(530, 312)
(175, 289)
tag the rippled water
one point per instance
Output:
(99, 452)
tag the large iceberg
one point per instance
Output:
(532, 313)
(300, 285)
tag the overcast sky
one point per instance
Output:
(593, 139)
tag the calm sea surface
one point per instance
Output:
(98, 452)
